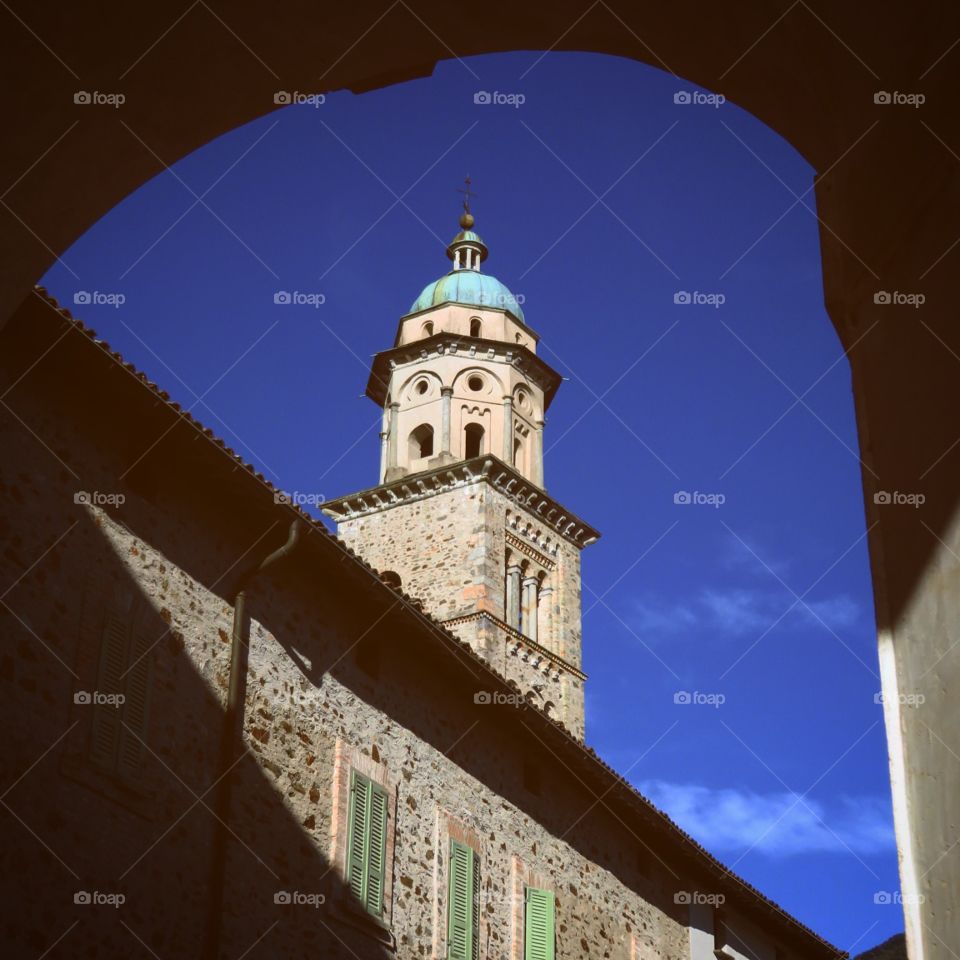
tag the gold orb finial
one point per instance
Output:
(466, 218)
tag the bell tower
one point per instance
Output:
(465, 395)
(461, 514)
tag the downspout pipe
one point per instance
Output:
(231, 738)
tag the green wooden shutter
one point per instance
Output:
(367, 842)
(133, 730)
(476, 908)
(358, 819)
(461, 912)
(538, 924)
(105, 737)
(377, 849)
(125, 668)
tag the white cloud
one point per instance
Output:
(734, 820)
(738, 611)
(651, 618)
(836, 612)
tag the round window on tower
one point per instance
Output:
(475, 383)
(523, 401)
(421, 387)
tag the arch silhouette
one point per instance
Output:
(812, 76)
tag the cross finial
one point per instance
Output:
(466, 218)
(467, 193)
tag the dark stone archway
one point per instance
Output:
(887, 193)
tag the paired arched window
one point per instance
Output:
(420, 444)
(517, 451)
(476, 327)
(472, 440)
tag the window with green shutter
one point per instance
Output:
(538, 924)
(463, 913)
(124, 672)
(367, 842)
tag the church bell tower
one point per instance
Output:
(460, 514)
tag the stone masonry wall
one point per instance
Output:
(443, 548)
(550, 686)
(150, 840)
(450, 549)
(330, 682)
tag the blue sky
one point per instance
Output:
(729, 640)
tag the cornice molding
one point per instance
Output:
(484, 469)
(456, 345)
(548, 563)
(522, 646)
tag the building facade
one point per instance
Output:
(229, 736)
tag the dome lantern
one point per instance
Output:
(467, 250)
(465, 283)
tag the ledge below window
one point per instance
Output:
(345, 909)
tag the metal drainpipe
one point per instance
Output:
(230, 739)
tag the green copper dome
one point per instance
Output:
(465, 283)
(469, 287)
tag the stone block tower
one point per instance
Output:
(460, 514)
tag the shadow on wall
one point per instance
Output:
(426, 695)
(109, 849)
(78, 825)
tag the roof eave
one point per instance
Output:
(487, 467)
(378, 381)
